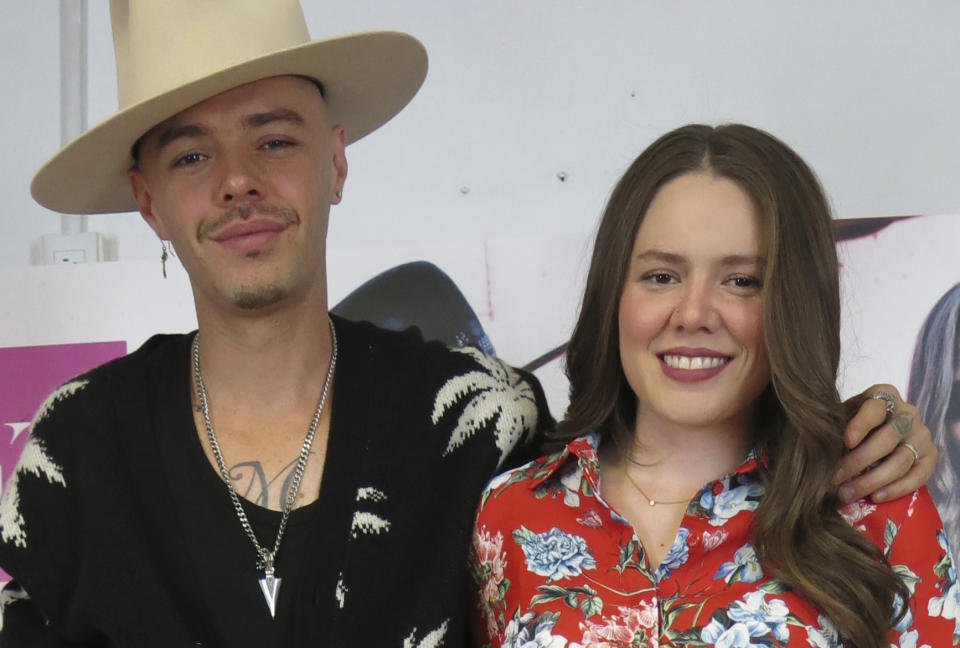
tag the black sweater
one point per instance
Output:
(118, 532)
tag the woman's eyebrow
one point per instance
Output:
(730, 260)
(743, 259)
(660, 255)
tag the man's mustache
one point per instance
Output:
(245, 211)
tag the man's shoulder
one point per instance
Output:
(157, 347)
(432, 366)
(407, 340)
(461, 393)
(110, 380)
(406, 352)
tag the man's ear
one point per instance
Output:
(339, 175)
(141, 194)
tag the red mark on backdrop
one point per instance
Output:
(27, 376)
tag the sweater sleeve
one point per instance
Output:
(531, 443)
(24, 626)
(39, 523)
(474, 395)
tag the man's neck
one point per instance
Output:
(279, 359)
(263, 377)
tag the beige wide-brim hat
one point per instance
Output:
(172, 54)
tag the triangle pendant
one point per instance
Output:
(270, 587)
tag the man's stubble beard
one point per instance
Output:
(255, 298)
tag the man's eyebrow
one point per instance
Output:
(175, 132)
(280, 114)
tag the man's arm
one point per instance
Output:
(879, 463)
(23, 624)
(39, 530)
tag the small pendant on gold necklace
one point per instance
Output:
(652, 503)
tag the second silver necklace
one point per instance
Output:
(269, 582)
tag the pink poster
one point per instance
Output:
(27, 376)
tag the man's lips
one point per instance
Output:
(248, 235)
(247, 219)
(247, 228)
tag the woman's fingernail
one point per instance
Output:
(846, 494)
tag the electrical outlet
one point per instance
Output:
(70, 256)
(81, 247)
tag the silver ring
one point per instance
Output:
(912, 448)
(889, 399)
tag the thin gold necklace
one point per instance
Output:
(650, 500)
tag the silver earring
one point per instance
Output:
(339, 194)
(164, 255)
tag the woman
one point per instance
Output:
(706, 353)
(935, 388)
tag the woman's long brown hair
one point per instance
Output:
(798, 534)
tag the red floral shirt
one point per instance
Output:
(555, 566)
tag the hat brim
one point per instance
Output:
(367, 78)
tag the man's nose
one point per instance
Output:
(239, 180)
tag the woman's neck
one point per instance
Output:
(651, 481)
(685, 457)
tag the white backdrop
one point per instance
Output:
(517, 92)
(518, 95)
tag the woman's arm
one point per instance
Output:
(917, 549)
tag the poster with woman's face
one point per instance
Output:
(902, 319)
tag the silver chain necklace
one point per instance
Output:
(269, 583)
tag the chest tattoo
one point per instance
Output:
(252, 482)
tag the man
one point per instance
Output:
(117, 527)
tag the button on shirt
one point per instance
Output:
(553, 565)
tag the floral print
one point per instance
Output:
(554, 554)
(591, 519)
(948, 605)
(488, 560)
(735, 636)
(751, 619)
(761, 617)
(744, 566)
(554, 566)
(909, 640)
(678, 554)
(824, 635)
(856, 511)
(532, 631)
(730, 502)
(628, 627)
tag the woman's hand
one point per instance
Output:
(881, 463)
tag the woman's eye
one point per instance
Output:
(745, 282)
(659, 277)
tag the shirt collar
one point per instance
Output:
(584, 449)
